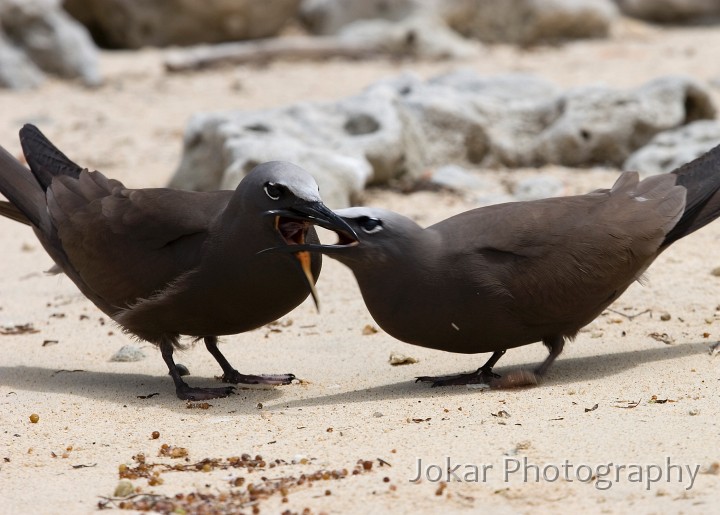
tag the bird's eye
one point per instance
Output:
(370, 225)
(273, 191)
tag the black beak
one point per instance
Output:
(319, 214)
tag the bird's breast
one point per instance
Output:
(449, 315)
(221, 299)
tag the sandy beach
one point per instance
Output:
(626, 420)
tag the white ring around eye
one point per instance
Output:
(267, 192)
(375, 229)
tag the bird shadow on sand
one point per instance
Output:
(128, 389)
(131, 390)
(564, 371)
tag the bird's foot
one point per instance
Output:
(517, 379)
(236, 377)
(480, 376)
(189, 393)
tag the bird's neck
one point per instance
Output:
(413, 261)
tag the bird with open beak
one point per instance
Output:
(164, 263)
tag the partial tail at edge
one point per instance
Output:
(23, 191)
(701, 179)
(8, 210)
(45, 159)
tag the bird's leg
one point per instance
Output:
(182, 389)
(483, 375)
(230, 375)
(555, 347)
(519, 378)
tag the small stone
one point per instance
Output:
(693, 412)
(377, 414)
(662, 337)
(128, 353)
(401, 359)
(124, 488)
(34, 418)
(715, 271)
(369, 329)
(665, 317)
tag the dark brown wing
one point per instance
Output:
(127, 244)
(565, 259)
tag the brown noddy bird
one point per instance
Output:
(164, 263)
(508, 275)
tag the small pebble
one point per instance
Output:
(34, 418)
(124, 488)
(665, 317)
(128, 353)
(401, 359)
(369, 329)
(694, 412)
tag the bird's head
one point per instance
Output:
(288, 197)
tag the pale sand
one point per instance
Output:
(131, 129)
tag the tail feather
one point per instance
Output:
(45, 159)
(19, 186)
(701, 179)
(8, 210)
